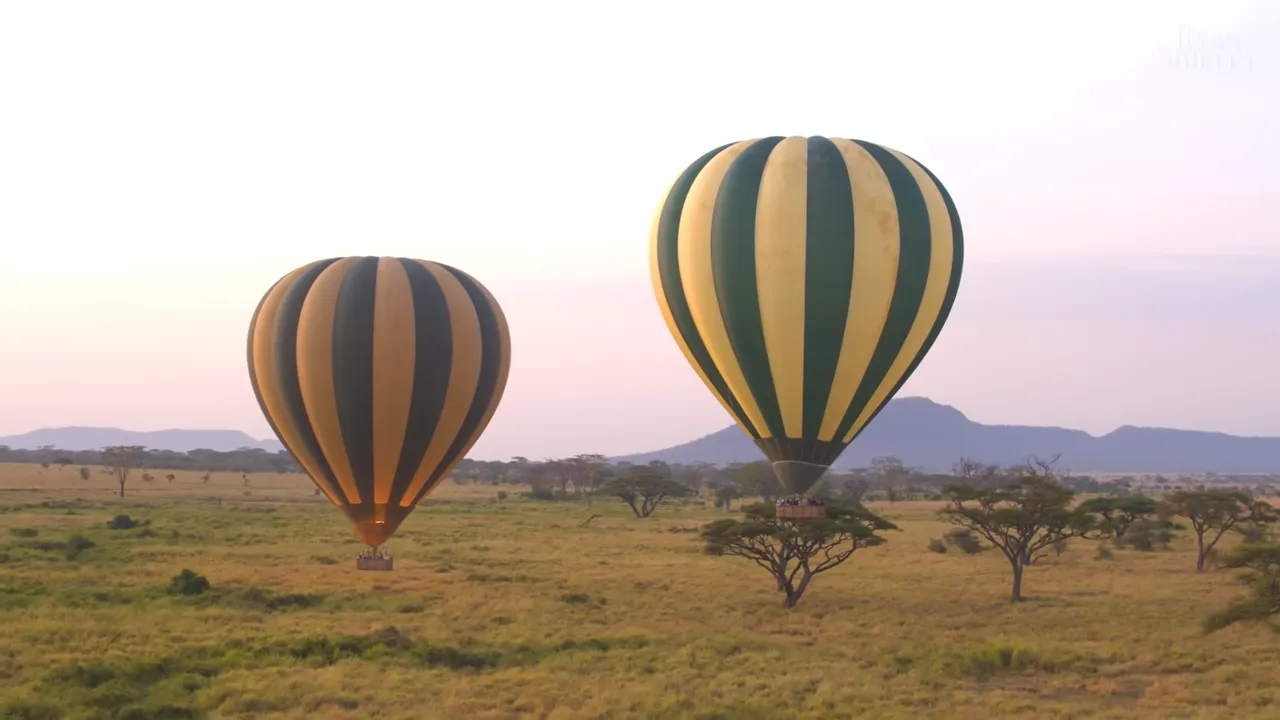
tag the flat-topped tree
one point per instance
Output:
(1215, 512)
(1262, 604)
(1023, 515)
(793, 552)
(1118, 513)
(120, 460)
(643, 493)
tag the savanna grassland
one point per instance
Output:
(514, 608)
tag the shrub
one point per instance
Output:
(1252, 533)
(24, 532)
(77, 544)
(121, 522)
(188, 583)
(937, 546)
(1147, 537)
(964, 539)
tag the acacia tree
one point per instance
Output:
(120, 460)
(583, 471)
(1263, 602)
(1118, 513)
(972, 472)
(1023, 516)
(643, 493)
(894, 477)
(1214, 512)
(756, 479)
(794, 551)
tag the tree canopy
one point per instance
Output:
(1023, 516)
(643, 493)
(794, 551)
(1215, 512)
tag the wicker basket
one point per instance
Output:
(373, 563)
(800, 511)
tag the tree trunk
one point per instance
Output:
(121, 488)
(1200, 553)
(1016, 595)
(794, 593)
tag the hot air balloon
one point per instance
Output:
(805, 279)
(378, 374)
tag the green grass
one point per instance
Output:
(512, 609)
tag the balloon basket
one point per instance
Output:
(800, 512)
(383, 563)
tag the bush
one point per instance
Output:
(24, 532)
(77, 544)
(937, 546)
(121, 522)
(965, 540)
(1147, 536)
(188, 583)
(1252, 533)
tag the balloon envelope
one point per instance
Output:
(805, 279)
(378, 374)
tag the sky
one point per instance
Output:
(162, 164)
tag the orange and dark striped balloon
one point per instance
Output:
(378, 374)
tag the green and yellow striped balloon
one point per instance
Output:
(805, 279)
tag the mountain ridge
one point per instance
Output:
(923, 433)
(79, 437)
(929, 435)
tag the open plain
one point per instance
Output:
(518, 608)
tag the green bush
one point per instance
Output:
(121, 522)
(188, 583)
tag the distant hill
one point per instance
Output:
(930, 436)
(93, 438)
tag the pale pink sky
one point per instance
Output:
(161, 164)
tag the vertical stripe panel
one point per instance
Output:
(733, 266)
(940, 240)
(352, 350)
(953, 287)
(394, 379)
(669, 291)
(874, 279)
(315, 365)
(780, 278)
(913, 271)
(697, 279)
(828, 279)
(272, 371)
(456, 343)
(495, 366)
